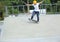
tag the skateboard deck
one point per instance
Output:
(32, 20)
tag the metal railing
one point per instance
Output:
(50, 9)
(15, 9)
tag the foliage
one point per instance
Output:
(58, 7)
(19, 2)
(1, 6)
(46, 1)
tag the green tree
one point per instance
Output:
(47, 1)
(1, 10)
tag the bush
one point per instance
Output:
(15, 11)
(58, 6)
(1, 10)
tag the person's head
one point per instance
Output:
(34, 2)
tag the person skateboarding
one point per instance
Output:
(36, 10)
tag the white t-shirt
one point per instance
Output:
(36, 7)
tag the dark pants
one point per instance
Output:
(35, 13)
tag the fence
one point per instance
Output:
(50, 9)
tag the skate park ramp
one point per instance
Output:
(20, 29)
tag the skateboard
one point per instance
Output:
(32, 20)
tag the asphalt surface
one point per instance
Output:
(48, 29)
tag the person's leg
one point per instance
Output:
(32, 15)
(37, 16)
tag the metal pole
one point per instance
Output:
(6, 9)
(23, 9)
(18, 9)
(28, 5)
(51, 8)
(12, 10)
(56, 8)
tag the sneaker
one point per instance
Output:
(37, 21)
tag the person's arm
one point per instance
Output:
(29, 4)
(40, 2)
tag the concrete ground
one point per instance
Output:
(19, 28)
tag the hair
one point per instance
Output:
(34, 2)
